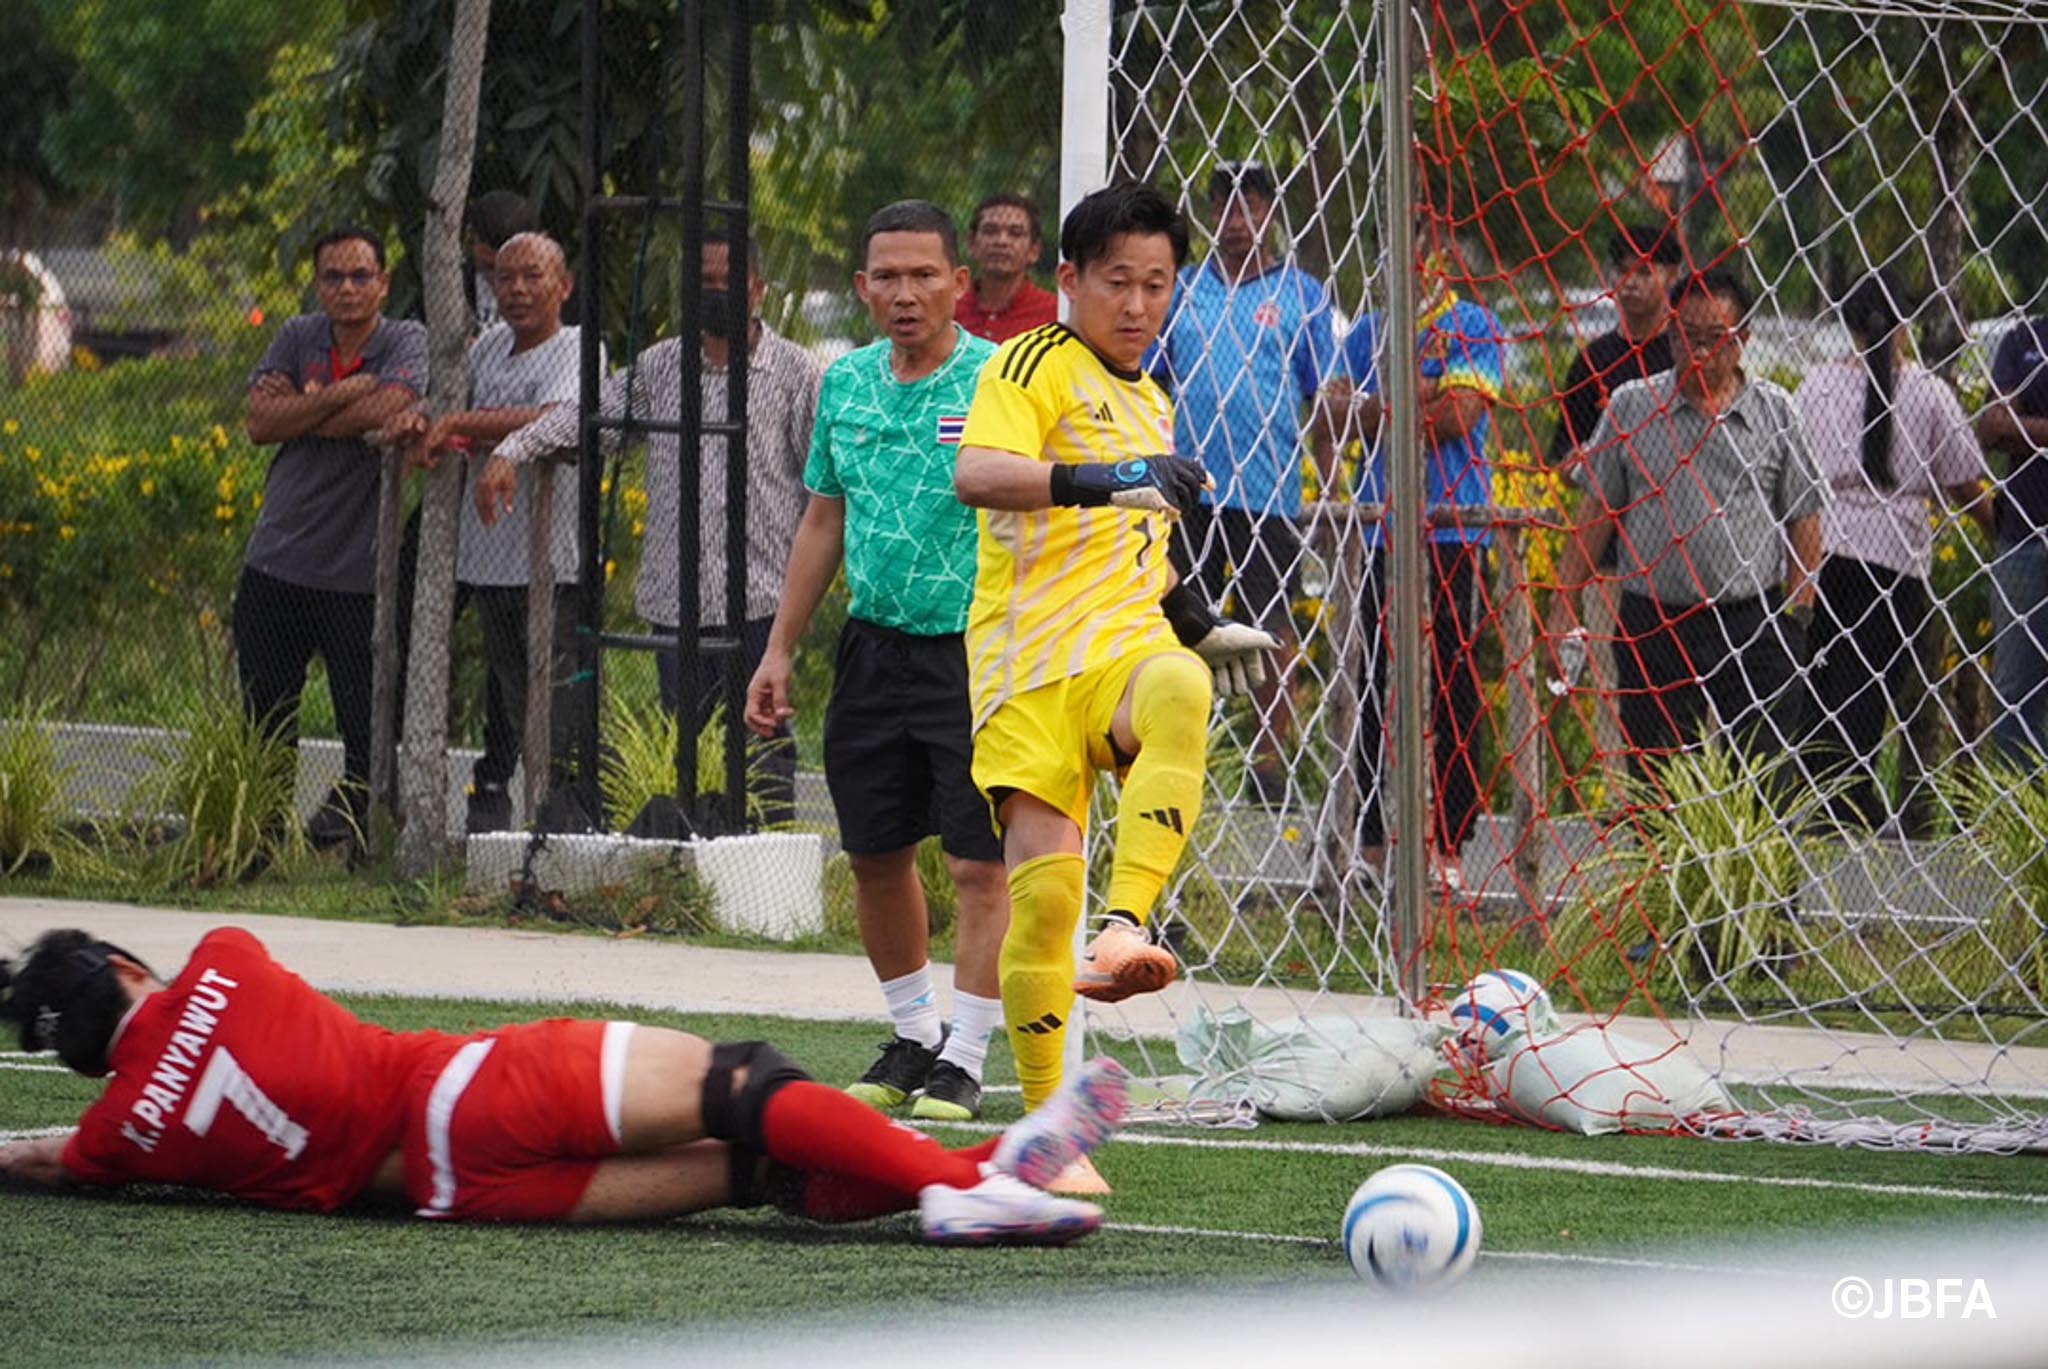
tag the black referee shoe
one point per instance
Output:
(951, 1094)
(900, 1072)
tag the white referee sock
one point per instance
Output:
(973, 1019)
(913, 1007)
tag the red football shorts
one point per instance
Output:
(512, 1128)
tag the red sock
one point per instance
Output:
(837, 1198)
(816, 1129)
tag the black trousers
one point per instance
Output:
(1675, 663)
(1453, 695)
(773, 764)
(278, 629)
(501, 614)
(1864, 630)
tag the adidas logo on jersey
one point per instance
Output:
(1044, 1026)
(1102, 414)
(1167, 817)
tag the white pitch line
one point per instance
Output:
(20, 1067)
(1524, 1256)
(1593, 1168)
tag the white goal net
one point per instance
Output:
(1803, 862)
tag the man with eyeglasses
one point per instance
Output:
(329, 385)
(1004, 244)
(1703, 479)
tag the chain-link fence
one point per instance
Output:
(202, 390)
(1610, 565)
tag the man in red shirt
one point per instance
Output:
(1003, 240)
(240, 1078)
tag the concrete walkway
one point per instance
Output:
(503, 964)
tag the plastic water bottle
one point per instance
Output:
(1571, 661)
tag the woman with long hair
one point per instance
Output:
(1894, 447)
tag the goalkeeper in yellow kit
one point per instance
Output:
(1078, 639)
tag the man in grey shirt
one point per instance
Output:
(1704, 476)
(782, 402)
(329, 382)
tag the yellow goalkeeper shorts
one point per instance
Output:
(1050, 741)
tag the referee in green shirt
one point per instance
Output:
(898, 736)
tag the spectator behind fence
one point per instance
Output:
(522, 365)
(1705, 477)
(327, 386)
(1642, 259)
(1248, 346)
(1892, 443)
(2016, 423)
(1004, 242)
(782, 399)
(899, 744)
(1459, 350)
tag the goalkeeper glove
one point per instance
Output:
(1235, 652)
(1171, 485)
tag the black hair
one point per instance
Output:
(1004, 199)
(913, 216)
(351, 233)
(1654, 242)
(725, 238)
(1871, 313)
(1241, 178)
(63, 995)
(1718, 283)
(498, 215)
(1119, 209)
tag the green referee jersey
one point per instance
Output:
(887, 449)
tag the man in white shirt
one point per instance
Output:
(782, 402)
(521, 367)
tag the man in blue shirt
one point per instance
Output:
(1247, 345)
(1459, 347)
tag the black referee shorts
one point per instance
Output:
(899, 745)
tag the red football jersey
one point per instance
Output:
(242, 1078)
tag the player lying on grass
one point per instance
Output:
(240, 1078)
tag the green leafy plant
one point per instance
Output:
(1698, 901)
(226, 789)
(639, 762)
(2003, 813)
(34, 829)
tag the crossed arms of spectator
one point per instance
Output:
(356, 407)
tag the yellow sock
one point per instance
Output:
(1037, 968)
(1163, 793)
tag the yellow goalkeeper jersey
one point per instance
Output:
(1057, 591)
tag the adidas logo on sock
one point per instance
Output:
(1044, 1026)
(1167, 817)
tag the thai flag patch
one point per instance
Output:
(950, 429)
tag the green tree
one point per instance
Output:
(35, 78)
(157, 101)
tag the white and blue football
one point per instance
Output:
(1411, 1228)
(1497, 1006)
